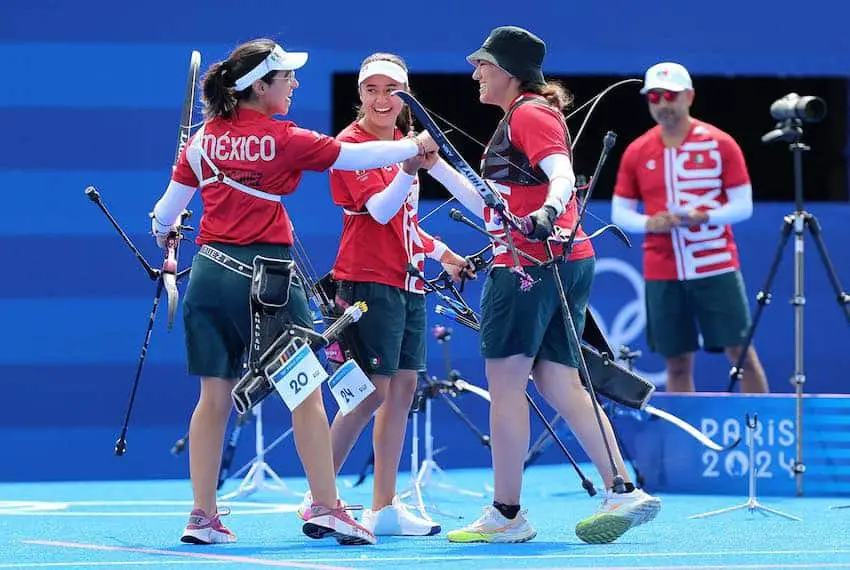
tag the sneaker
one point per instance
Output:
(204, 529)
(307, 502)
(397, 520)
(618, 513)
(305, 505)
(322, 522)
(494, 527)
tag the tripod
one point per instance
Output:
(166, 278)
(752, 504)
(255, 480)
(797, 222)
(544, 439)
(422, 475)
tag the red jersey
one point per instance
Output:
(534, 130)
(257, 152)
(369, 251)
(696, 175)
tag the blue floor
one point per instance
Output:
(137, 525)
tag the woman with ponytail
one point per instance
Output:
(244, 161)
(380, 239)
(529, 160)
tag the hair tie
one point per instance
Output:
(226, 68)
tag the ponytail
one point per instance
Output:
(218, 96)
(218, 86)
(554, 92)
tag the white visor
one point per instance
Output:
(392, 70)
(277, 60)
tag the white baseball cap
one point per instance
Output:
(668, 76)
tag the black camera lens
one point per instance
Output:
(808, 109)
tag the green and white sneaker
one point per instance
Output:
(618, 513)
(494, 527)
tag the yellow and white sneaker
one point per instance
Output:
(618, 513)
(494, 527)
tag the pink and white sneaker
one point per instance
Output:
(205, 529)
(322, 522)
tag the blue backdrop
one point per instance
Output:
(91, 96)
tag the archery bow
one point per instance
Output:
(592, 102)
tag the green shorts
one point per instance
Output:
(390, 336)
(530, 323)
(217, 313)
(677, 312)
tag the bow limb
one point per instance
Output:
(592, 102)
(562, 236)
(689, 429)
(168, 273)
(492, 199)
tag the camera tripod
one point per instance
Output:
(752, 504)
(259, 470)
(423, 475)
(798, 222)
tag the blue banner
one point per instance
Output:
(674, 462)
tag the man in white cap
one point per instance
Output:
(693, 182)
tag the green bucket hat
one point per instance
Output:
(517, 51)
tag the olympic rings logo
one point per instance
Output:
(629, 322)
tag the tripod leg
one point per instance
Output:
(121, 444)
(584, 375)
(539, 446)
(638, 475)
(365, 470)
(485, 439)
(842, 297)
(762, 299)
(585, 482)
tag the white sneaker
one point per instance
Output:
(618, 513)
(494, 527)
(307, 502)
(397, 520)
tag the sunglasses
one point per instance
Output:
(655, 97)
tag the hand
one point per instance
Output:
(412, 165)
(695, 218)
(426, 143)
(431, 159)
(662, 222)
(456, 266)
(542, 223)
(161, 232)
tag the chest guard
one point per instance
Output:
(503, 162)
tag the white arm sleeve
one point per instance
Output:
(562, 181)
(738, 208)
(168, 209)
(459, 186)
(374, 154)
(384, 205)
(624, 213)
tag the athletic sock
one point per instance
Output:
(508, 511)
